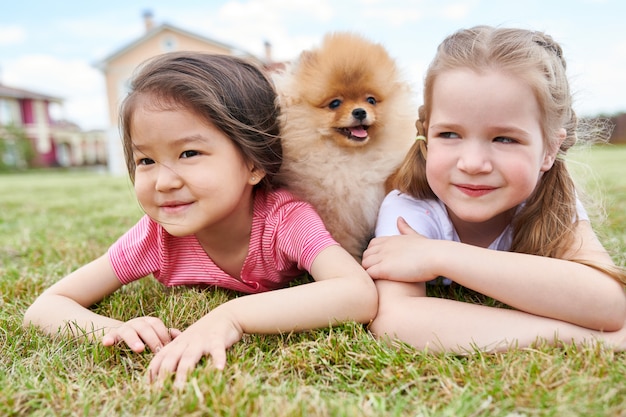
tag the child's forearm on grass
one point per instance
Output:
(462, 327)
(54, 313)
(65, 305)
(304, 307)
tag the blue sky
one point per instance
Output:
(52, 47)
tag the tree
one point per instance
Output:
(16, 150)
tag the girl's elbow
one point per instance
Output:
(26, 320)
(619, 316)
(370, 312)
(614, 317)
(367, 302)
(30, 316)
(36, 314)
(613, 324)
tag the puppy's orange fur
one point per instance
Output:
(347, 121)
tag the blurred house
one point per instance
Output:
(119, 67)
(619, 128)
(27, 115)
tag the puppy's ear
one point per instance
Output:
(307, 58)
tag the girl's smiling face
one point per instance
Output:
(190, 177)
(486, 149)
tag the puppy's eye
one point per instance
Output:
(334, 104)
(371, 100)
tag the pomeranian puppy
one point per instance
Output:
(347, 121)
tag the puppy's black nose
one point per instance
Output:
(359, 114)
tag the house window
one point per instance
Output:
(6, 113)
(169, 44)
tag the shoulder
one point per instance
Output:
(276, 197)
(147, 242)
(398, 199)
(145, 230)
(288, 228)
(281, 204)
(427, 216)
(137, 253)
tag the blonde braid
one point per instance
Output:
(410, 177)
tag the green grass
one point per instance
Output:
(53, 222)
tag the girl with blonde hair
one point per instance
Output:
(484, 199)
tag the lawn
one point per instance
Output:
(53, 222)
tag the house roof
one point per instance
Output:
(12, 92)
(165, 26)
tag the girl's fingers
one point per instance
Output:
(180, 361)
(154, 333)
(186, 364)
(108, 340)
(404, 228)
(218, 356)
(126, 335)
(138, 333)
(174, 332)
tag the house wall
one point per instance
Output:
(36, 124)
(54, 142)
(75, 147)
(119, 70)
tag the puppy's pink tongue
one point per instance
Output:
(358, 131)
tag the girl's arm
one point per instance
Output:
(343, 291)
(65, 307)
(443, 325)
(548, 287)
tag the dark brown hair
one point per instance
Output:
(229, 92)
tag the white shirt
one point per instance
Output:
(430, 218)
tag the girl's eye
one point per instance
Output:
(504, 139)
(334, 104)
(189, 154)
(145, 161)
(449, 135)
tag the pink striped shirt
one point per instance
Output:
(287, 234)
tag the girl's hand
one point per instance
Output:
(400, 258)
(211, 335)
(139, 332)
